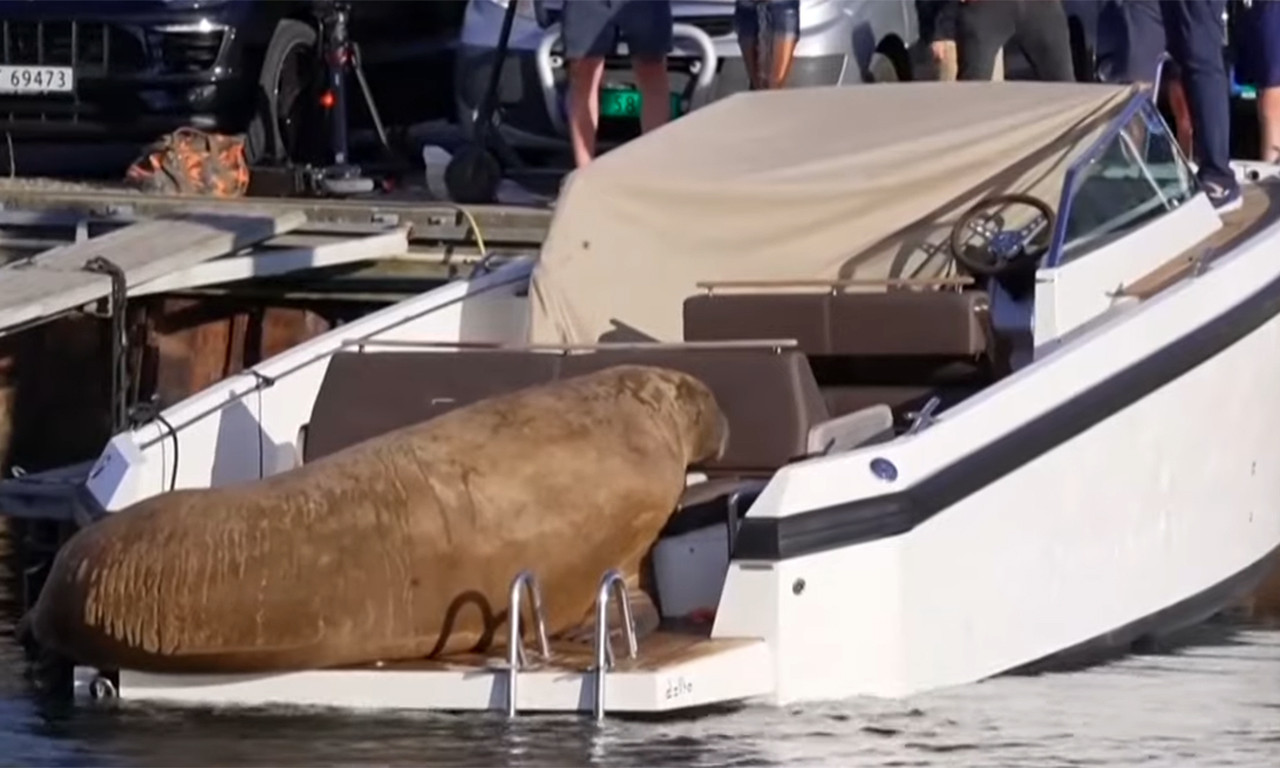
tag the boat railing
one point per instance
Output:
(942, 282)
(360, 345)
(525, 583)
(612, 583)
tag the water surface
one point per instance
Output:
(1210, 705)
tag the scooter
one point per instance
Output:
(475, 171)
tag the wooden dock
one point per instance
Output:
(64, 278)
(431, 223)
(378, 249)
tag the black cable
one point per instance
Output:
(264, 381)
(173, 433)
(119, 341)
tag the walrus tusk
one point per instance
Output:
(400, 547)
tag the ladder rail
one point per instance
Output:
(516, 657)
(612, 583)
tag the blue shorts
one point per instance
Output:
(593, 28)
(782, 17)
(1258, 47)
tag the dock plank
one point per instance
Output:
(55, 281)
(432, 221)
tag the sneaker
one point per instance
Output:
(1224, 199)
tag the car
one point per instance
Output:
(839, 41)
(125, 71)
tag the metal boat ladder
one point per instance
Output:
(612, 582)
(515, 644)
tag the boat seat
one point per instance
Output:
(775, 410)
(843, 433)
(898, 347)
(366, 394)
(925, 323)
(769, 397)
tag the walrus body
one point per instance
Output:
(400, 547)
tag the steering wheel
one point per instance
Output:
(1001, 251)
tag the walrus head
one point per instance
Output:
(688, 403)
(708, 427)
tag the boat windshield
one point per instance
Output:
(1134, 174)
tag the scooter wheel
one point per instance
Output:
(473, 175)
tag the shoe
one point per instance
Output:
(1224, 199)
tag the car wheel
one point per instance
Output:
(283, 126)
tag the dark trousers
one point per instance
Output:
(1194, 29)
(1039, 27)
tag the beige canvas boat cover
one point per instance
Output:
(809, 184)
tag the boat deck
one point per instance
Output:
(1261, 207)
(672, 671)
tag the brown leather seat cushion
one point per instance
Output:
(366, 394)
(899, 322)
(770, 398)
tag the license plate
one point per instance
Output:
(626, 103)
(36, 79)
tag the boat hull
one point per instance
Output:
(1123, 487)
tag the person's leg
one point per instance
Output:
(1045, 39)
(1182, 127)
(982, 29)
(1143, 44)
(588, 33)
(584, 106)
(1195, 32)
(944, 55)
(747, 27)
(1266, 25)
(784, 17)
(646, 25)
(1146, 41)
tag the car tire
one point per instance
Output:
(263, 141)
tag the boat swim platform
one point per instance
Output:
(672, 672)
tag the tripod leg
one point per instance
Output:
(357, 67)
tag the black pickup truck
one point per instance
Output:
(122, 72)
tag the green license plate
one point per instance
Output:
(625, 103)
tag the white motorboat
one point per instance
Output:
(959, 447)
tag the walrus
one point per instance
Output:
(400, 547)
